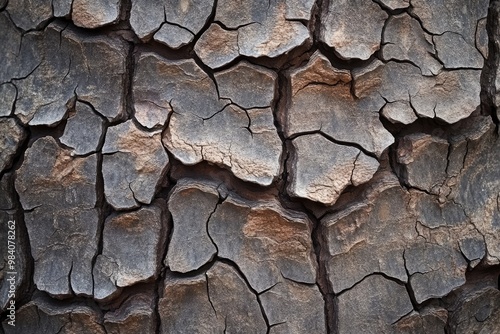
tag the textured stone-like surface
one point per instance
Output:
(84, 130)
(144, 232)
(267, 242)
(353, 28)
(422, 237)
(334, 166)
(431, 320)
(449, 96)
(146, 17)
(204, 127)
(435, 270)
(135, 315)
(477, 312)
(30, 14)
(353, 237)
(323, 169)
(246, 142)
(482, 38)
(8, 94)
(186, 307)
(405, 40)
(183, 18)
(92, 68)
(439, 17)
(232, 299)
(322, 101)
(12, 136)
(62, 8)
(191, 205)
(423, 159)
(60, 193)
(293, 308)
(254, 29)
(7, 192)
(396, 4)
(94, 14)
(356, 311)
(474, 185)
(399, 112)
(191, 15)
(173, 36)
(455, 25)
(42, 316)
(247, 85)
(455, 52)
(217, 47)
(134, 165)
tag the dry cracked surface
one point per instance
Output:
(276, 166)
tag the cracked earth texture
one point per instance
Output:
(263, 166)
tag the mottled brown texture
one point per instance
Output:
(262, 166)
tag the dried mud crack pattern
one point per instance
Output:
(263, 166)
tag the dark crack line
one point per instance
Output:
(101, 205)
(208, 295)
(333, 140)
(235, 266)
(223, 26)
(402, 317)
(408, 287)
(221, 200)
(379, 273)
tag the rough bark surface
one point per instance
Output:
(263, 166)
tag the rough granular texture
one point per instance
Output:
(257, 166)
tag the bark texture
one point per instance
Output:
(263, 166)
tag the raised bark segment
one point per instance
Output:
(412, 236)
(267, 243)
(450, 96)
(293, 308)
(323, 166)
(96, 13)
(207, 127)
(173, 23)
(28, 14)
(134, 165)
(58, 193)
(323, 169)
(43, 315)
(144, 231)
(186, 307)
(64, 64)
(8, 94)
(356, 311)
(135, 315)
(278, 166)
(405, 40)
(234, 301)
(322, 101)
(478, 312)
(84, 130)
(191, 204)
(430, 320)
(247, 85)
(256, 29)
(353, 28)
